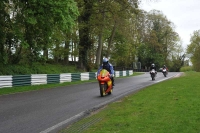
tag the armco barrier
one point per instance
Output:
(5, 81)
(53, 78)
(21, 80)
(65, 77)
(37, 79)
(76, 77)
(92, 75)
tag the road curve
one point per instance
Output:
(48, 110)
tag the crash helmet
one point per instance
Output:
(105, 61)
(152, 65)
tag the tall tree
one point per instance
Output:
(193, 50)
(160, 40)
(37, 21)
(100, 18)
(84, 32)
(5, 30)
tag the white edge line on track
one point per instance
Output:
(177, 75)
(74, 117)
(62, 123)
(164, 79)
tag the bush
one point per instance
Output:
(37, 68)
(186, 68)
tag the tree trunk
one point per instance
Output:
(56, 56)
(66, 53)
(84, 35)
(45, 53)
(99, 50)
(100, 42)
(110, 40)
(2, 32)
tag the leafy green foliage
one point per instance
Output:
(32, 26)
(194, 50)
(39, 31)
(186, 68)
(159, 42)
(37, 68)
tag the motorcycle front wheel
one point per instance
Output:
(165, 74)
(110, 92)
(102, 89)
(153, 76)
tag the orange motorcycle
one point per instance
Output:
(105, 83)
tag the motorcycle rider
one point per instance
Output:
(164, 67)
(153, 66)
(109, 67)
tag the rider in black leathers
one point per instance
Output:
(153, 66)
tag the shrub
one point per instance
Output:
(186, 68)
(37, 68)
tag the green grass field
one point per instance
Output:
(172, 106)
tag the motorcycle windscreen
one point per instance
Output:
(103, 72)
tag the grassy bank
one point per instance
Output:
(37, 68)
(172, 106)
(11, 90)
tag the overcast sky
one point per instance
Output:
(185, 14)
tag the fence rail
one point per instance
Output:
(38, 79)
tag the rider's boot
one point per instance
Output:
(113, 84)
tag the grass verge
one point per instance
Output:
(172, 106)
(12, 90)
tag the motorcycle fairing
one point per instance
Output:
(104, 78)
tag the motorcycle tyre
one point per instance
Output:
(110, 91)
(165, 75)
(102, 89)
(153, 77)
